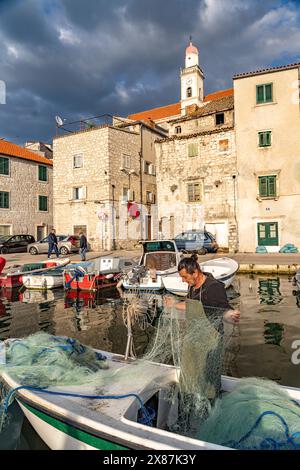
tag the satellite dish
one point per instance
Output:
(59, 121)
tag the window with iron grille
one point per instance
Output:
(194, 192)
(264, 93)
(4, 200)
(267, 186)
(264, 139)
(178, 130)
(193, 150)
(43, 203)
(43, 173)
(4, 166)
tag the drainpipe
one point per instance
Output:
(235, 212)
(141, 183)
(113, 217)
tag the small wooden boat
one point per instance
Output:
(16, 275)
(97, 274)
(223, 269)
(78, 423)
(159, 258)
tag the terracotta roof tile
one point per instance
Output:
(13, 150)
(157, 113)
(175, 109)
(211, 107)
(270, 70)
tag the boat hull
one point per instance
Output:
(90, 282)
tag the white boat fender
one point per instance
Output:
(109, 276)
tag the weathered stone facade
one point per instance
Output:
(24, 187)
(112, 172)
(212, 168)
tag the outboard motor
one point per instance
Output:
(138, 272)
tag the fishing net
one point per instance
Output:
(256, 415)
(192, 339)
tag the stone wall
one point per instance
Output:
(24, 187)
(213, 168)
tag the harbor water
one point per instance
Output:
(262, 344)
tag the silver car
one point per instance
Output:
(66, 244)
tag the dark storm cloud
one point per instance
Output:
(79, 59)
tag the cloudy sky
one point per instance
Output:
(81, 58)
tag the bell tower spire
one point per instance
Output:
(192, 79)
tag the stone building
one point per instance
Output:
(196, 162)
(267, 128)
(25, 191)
(104, 183)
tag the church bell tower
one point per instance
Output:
(192, 79)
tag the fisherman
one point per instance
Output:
(204, 312)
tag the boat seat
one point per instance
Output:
(160, 261)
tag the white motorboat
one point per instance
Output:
(159, 258)
(78, 423)
(223, 269)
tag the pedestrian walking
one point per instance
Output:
(52, 244)
(83, 246)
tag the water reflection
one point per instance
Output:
(273, 333)
(268, 290)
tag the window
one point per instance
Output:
(147, 166)
(4, 166)
(4, 200)
(264, 139)
(79, 193)
(223, 145)
(78, 161)
(149, 196)
(178, 130)
(194, 192)
(5, 230)
(126, 161)
(192, 150)
(220, 119)
(267, 186)
(189, 92)
(43, 173)
(264, 93)
(43, 203)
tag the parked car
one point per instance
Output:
(196, 240)
(66, 244)
(15, 243)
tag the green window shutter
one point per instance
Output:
(192, 150)
(4, 166)
(263, 186)
(4, 200)
(268, 93)
(267, 139)
(43, 203)
(259, 94)
(261, 139)
(264, 139)
(272, 185)
(42, 173)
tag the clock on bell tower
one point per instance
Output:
(192, 79)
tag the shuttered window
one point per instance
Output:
(43, 203)
(267, 186)
(193, 150)
(264, 93)
(43, 173)
(4, 200)
(264, 139)
(4, 166)
(194, 192)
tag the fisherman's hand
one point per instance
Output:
(232, 316)
(169, 301)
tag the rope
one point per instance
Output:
(147, 417)
(268, 441)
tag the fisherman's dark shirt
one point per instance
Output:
(213, 298)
